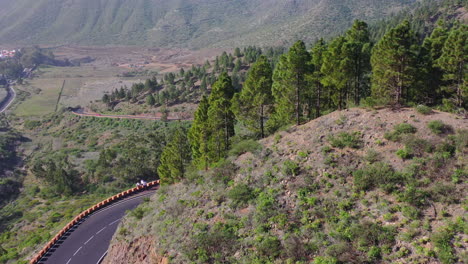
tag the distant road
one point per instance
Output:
(11, 94)
(82, 113)
(88, 241)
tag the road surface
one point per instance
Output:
(88, 241)
(82, 113)
(8, 100)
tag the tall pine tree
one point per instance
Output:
(453, 62)
(253, 104)
(220, 117)
(290, 86)
(337, 72)
(358, 49)
(175, 158)
(316, 77)
(393, 62)
(199, 133)
(431, 75)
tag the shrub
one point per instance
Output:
(376, 175)
(422, 109)
(244, 147)
(438, 127)
(403, 153)
(443, 243)
(138, 213)
(405, 128)
(240, 195)
(290, 168)
(417, 146)
(268, 246)
(372, 156)
(374, 253)
(344, 139)
(31, 124)
(325, 260)
(414, 196)
(398, 131)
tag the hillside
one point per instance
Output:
(191, 24)
(355, 186)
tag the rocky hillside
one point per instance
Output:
(194, 24)
(356, 186)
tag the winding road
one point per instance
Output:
(87, 242)
(80, 112)
(8, 100)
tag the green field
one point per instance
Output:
(82, 85)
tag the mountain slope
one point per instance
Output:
(194, 23)
(355, 186)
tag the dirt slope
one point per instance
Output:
(334, 190)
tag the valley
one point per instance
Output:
(305, 131)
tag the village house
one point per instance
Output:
(7, 54)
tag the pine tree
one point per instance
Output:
(221, 125)
(199, 133)
(252, 104)
(394, 65)
(453, 62)
(175, 158)
(220, 117)
(150, 100)
(237, 52)
(299, 60)
(222, 88)
(290, 86)
(284, 95)
(316, 77)
(337, 72)
(358, 48)
(203, 85)
(431, 75)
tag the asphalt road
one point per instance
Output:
(8, 100)
(170, 118)
(88, 241)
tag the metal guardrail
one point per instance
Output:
(84, 214)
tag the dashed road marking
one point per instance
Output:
(115, 221)
(101, 230)
(69, 261)
(88, 240)
(78, 250)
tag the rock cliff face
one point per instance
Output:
(140, 250)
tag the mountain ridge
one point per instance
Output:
(192, 24)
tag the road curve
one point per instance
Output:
(8, 100)
(87, 242)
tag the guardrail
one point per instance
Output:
(85, 213)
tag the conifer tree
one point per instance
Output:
(358, 50)
(150, 100)
(203, 85)
(299, 60)
(175, 158)
(394, 65)
(453, 62)
(431, 75)
(284, 96)
(290, 86)
(316, 77)
(199, 133)
(220, 117)
(252, 104)
(337, 72)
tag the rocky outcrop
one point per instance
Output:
(140, 250)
